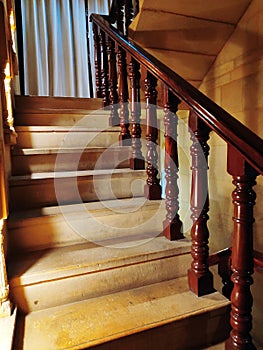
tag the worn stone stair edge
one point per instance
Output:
(53, 150)
(82, 261)
(133, 300)
(110, 206)
(75, 174)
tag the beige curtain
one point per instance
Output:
(55, 48)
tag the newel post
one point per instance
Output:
(172, 225)
(199, 277)
(243, 196)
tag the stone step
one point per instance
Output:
(58, 276)
(66, 137)
(43, 104)
(160, 316)
(93, 119)
(98, 222)
(34, 160)
(74, 187)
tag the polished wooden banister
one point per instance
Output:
(215, 258)
(226, 126)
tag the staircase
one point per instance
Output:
(186, 36)
(87, 262)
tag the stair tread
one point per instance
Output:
(54, 150)
(94, 321)
(64, 111)
(61, 128)
(79, 173)
(107, 207)
(79, 259)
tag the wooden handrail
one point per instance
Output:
(244, 164)
(215, 258)
(226, 126)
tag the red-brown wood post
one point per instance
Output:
(129, 14)
(120, 15)
(224, 271)
(137, 160)
(243, 196)
(113, 84)
(104, 69)
(152, 189)
(172, 225)
(97, 61)
(125, 136)
(199, 276)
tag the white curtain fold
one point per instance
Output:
(101, 7)
(55, 48)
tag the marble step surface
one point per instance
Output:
(74, 187)
(44, 104)
(58, 276)
(97, 222)
(35, 160)
(159, 316)
(66, 136)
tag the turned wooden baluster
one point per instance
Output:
(152, 189)
(129, 14)
(3, 62)
(242, 251)
(172, 225)
(199, 277)
(125, 136)
(120, 15)
(97, 61)
(137, 159)
(104, 69)
(113, 84)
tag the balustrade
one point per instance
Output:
(245, 162)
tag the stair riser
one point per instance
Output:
(58, 231)
(42, 193)
(56, 139)
(76, 288)
(29, 164)
(43, 104)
